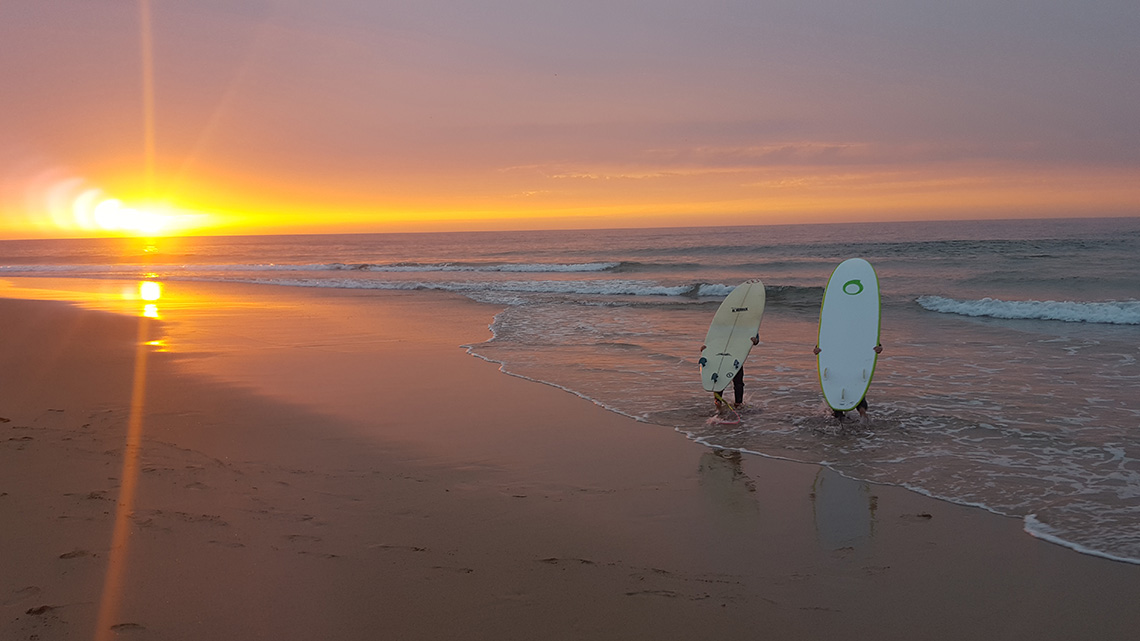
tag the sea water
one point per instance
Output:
(1008, 378)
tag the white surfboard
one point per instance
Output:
(848, 333)
(730, 335)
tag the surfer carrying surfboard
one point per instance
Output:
(734, 330)
(848, 345)
(737, 382)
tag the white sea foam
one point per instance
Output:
(715, 290)
(1036, 528)
(1108, 312)
(573, 287)
(70, 270)
(536, 268)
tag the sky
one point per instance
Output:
(268, 116)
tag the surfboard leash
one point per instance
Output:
(717, 396)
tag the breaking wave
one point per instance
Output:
(1108, 312)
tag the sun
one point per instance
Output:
(112, 216)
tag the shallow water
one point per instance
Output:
(1007, 379)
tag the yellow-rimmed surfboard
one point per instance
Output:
(848, 333)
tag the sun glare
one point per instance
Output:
(150, 290)
(110, 215)
(61, 204)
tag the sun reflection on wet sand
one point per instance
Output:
(112, 595)
(150, 291)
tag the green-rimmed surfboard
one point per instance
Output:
(848, 333)
(730, 334)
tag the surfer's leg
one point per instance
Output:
(862, 407)
(738, 386)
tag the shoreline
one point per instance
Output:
(291, 488)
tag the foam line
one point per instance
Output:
(1107, 312)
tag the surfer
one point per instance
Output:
(737, 383)
(862, 406)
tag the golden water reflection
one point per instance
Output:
(133, 298)
(150, 290)
(113, 582)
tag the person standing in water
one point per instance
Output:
(862, 405)
(737, 383)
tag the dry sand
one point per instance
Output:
(332, 465)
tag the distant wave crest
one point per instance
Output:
(96, 270)
(480, 267)
(573, 287)
(1109, 312)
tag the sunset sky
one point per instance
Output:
(375, 115)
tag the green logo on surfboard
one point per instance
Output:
(853, 287)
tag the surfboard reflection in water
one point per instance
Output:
(725, 483)
(844, 510)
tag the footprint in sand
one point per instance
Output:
(227, 544)
(406, 548)
(560, 561)
(22, 594)
(917, 517)
(41, 610)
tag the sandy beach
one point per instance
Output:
(272, 463)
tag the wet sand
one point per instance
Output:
(295, 464)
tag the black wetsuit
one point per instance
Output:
(738, 386)
(841, 413)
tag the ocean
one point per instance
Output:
(1008, 379)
